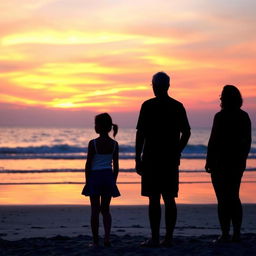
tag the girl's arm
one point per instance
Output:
(116, 161)
(90, 154)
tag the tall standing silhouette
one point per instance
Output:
(162, 133)
(228, 148)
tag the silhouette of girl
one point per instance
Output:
(101, 171)
(228, 148)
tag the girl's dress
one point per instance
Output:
(101, 178)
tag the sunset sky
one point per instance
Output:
(62, 61)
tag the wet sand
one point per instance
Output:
(65, 230)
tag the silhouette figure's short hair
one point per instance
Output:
(162, 80)
(231, 97)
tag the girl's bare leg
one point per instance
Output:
(107, 220)
(95, 211)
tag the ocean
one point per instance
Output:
(46, 166)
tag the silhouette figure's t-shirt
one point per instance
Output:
(162, 120)
(230, 141)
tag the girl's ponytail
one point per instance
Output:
(115, 129)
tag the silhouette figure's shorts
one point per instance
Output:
(160, 181)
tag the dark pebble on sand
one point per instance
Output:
(137, 226)
(120, 230)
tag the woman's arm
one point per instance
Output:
(116, 161)
(246, 139)
(212, 148)
(248, 136)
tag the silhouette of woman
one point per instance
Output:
(228, 148)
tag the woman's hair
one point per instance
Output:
(231, 98)
(103, 123)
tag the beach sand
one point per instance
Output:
(65, 230)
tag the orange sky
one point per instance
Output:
(100, 55)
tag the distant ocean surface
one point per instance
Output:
(46, 166)
(71, 144)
